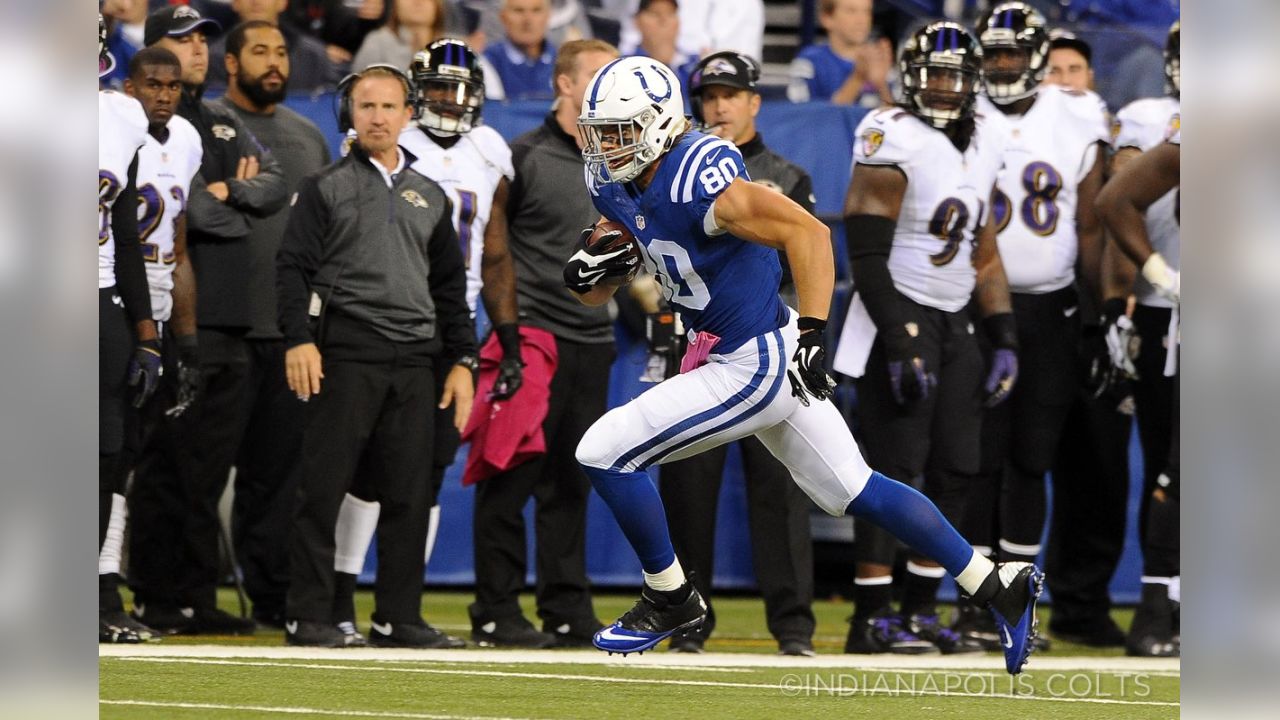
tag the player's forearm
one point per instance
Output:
(992, 291)
(183, 317)
(499, 288)
(1118, 272)
(813, 271)
(1127, 225)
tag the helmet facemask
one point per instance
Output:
(449, 106)
(633, 113)
(1015, 47)
(942, 93)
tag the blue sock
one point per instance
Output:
(637, 507)
(913, 519)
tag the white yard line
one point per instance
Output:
(1152, 666)
(774, 687)
(296, 710)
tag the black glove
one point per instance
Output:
(909, 377)
(144, 370)
(511, 368)
(1003, 373)
(810, 360)
(588, 266)
(189, 375)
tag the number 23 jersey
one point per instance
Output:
(945, 202)
(165, 170)
(720, 283)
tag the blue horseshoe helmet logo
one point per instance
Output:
(645, 84)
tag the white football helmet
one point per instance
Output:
(632, 113)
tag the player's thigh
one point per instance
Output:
(957, 419)
(897, 436)
(814, 443)
(695, 411)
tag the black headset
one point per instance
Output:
(347, 83)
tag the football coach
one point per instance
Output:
(372, 290)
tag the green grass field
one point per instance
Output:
(740, 677)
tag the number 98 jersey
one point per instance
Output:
(1051, 148)
(945, 202)
(720, 283)
(165, 170)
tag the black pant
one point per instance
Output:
(375, 413)
(1090, 497)
(560, 490)
(1153, 395)
(266, 484)
(1020, 436)
(936, 437)
(180, 477)
(115, 346)
(778, 517)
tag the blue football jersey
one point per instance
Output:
(719, 283)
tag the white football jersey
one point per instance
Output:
(165, 171)
(1051, 148)
(1143, 124)
(945, 203)
(122, 129)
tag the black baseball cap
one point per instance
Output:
(726, 67)
(176, 21)
(1067, 39)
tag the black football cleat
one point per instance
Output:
(654, 618)
(1014, 608)
(885, 632)
(417, 635)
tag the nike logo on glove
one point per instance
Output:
(591, 276)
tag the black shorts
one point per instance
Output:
(941, 430)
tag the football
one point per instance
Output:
(615, 242)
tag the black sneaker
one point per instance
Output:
(573, 633)
(655, 617)
(884, 632)
(1152, 633)
(117, 628)
(975, 623)
(509, 631)
(164, 618)
(305, 633)
(212, 621)
(796, 647)
(352, 634)
(417, 635)
(269, 617)
(950, 642)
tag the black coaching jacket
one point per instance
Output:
(385, 257)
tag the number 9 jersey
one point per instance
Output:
(945, 201)
(1051, 148)
(720, 284)
(165, 170)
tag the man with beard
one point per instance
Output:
(257, 62)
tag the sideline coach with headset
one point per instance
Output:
(372, 291)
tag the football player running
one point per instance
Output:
(1145, 345)
(709, 236)
(472, 163)
(1049, 233)
(923, 247)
